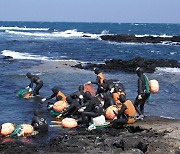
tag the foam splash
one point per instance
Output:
(164, 35)
(18, 55)
(168, 70)
(65, 34)
(23, 28)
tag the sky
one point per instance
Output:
(120, 11)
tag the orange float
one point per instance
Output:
(60, 105)
(90, 88)
(27, 129)
(7, 129)
(153, 86)
(109, 114)
(69, 123)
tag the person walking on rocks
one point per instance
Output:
(143, 92)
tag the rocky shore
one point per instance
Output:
(151, 135)
(130, 38)
(149, 65)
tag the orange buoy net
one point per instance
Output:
(69, 123)
(153, 86)
(27, 129)
(7, 129)
(60, 105)
(109, 113)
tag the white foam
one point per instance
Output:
(167, 117)
(23, 28)
(168, 70)
(164, 35)
(66, 34)
(18, 55)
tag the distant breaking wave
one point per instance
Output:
(65, 34)
(23, 28)
(18, 55)
(27, 56)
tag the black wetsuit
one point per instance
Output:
(39, 124)
(139, 103)
(94, 109)
(35, 79)
(76, 95)
(72, 110)
(121, 118)
(109, 84)
(108, 101)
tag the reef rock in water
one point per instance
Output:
(140, 39)
(149, 65)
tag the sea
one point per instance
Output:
(41, 47)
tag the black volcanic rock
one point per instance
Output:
(144, 39)
(149, 65)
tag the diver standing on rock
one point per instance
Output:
(143, 93)
(99, 80)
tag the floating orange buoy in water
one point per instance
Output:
(69, 123)
(153, 86)
(7, 129)
(60, 105)
(109, 114)
(27, 129)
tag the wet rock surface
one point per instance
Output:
(149, 65)
(151, 135)
(143, 39)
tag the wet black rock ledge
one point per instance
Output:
(149, 65)
(153, 135)
(131, 38)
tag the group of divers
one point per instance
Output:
(83, 107)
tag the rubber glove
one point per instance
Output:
(27, 87)
(80, 96)
(139, 97)
(30, 89)
(43, 100)
(112, 90)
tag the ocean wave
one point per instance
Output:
(64, 34)
(168, 70)
(19, 55)
(23, 28)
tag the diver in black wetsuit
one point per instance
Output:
(99, 80)
(108, 101)
(109, 85)
(78, 95)
(143, 95)
(93, 109)
(35, 79)
(72, 110)
(39, 123)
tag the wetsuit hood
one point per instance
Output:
(55, 90)
(69, 99)
(139, 71)
(87, 95)
(122, 98)
(96, 71)
(81, 88)
(28, 75)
